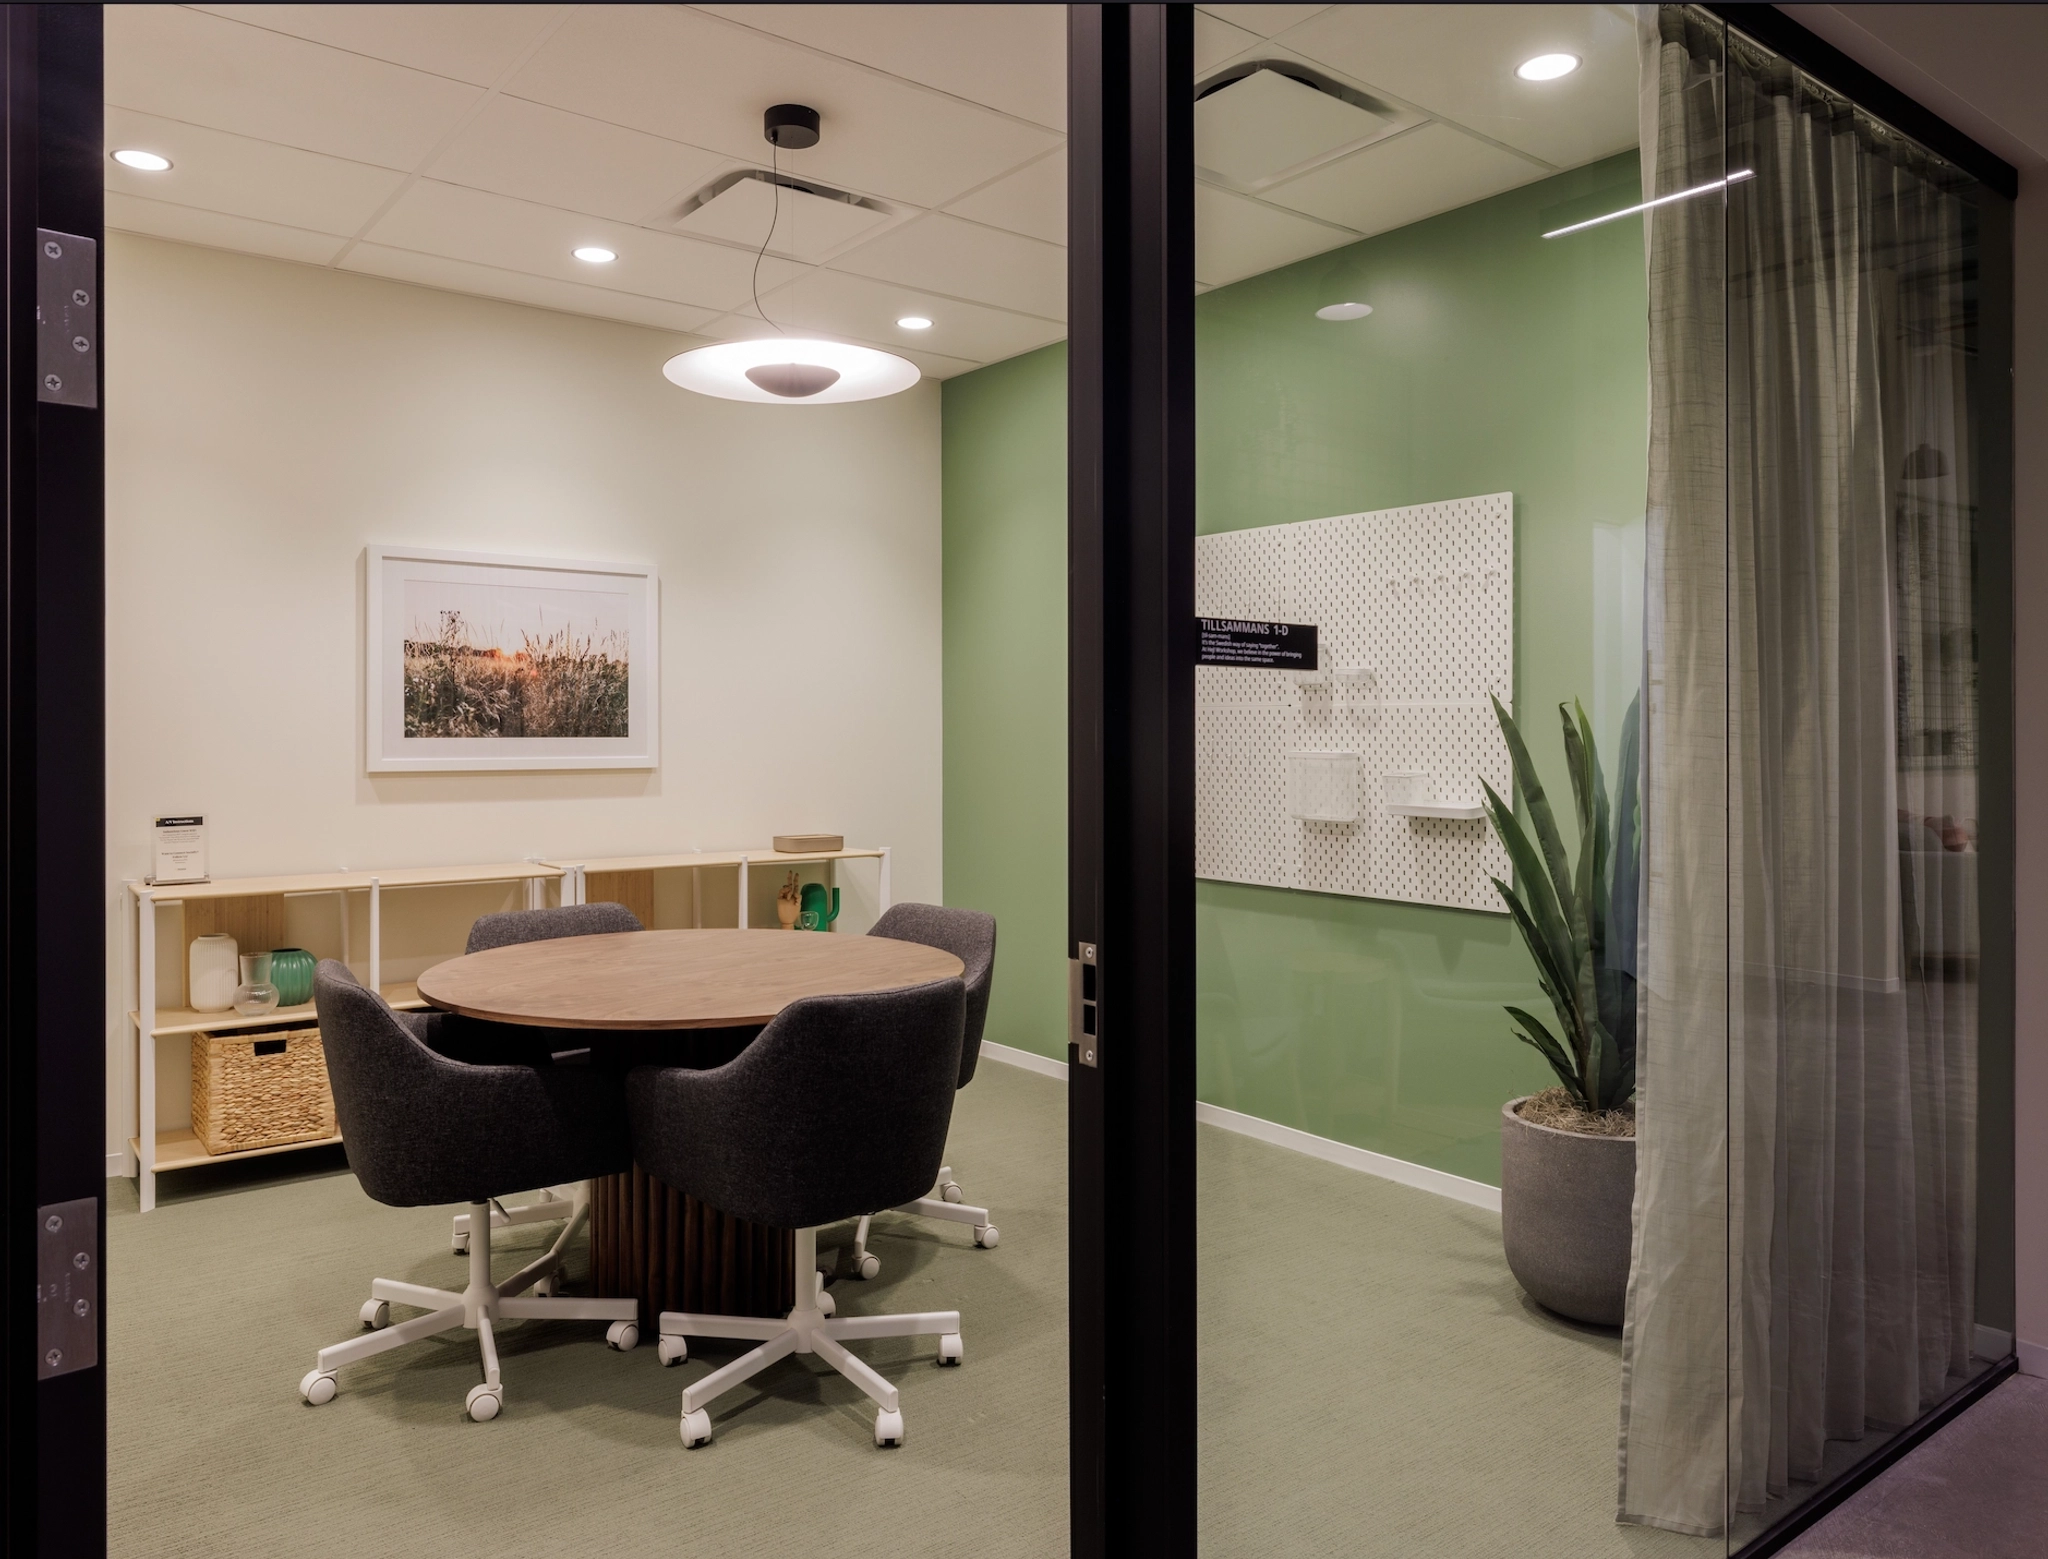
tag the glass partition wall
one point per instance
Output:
(1591, 937)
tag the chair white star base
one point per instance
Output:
(556, 1201)
(810, 1328)
(944, 1202)
(479, 1307)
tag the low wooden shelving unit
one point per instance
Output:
(664, 890)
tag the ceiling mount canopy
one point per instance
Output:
(790, 127)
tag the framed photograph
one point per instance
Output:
(475, 661)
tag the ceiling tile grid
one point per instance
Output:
(471, 148)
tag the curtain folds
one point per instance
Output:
(1804, 1230)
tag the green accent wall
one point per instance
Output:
(1495, 360)
(1004, 475)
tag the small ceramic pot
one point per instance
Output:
(1565, 1201)
(291, 971)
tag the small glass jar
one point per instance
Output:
(255, 995)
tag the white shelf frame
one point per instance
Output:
(149, 1142)
(158, 1151)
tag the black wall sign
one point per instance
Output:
(1235, 641)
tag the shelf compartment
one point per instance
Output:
(178, 1148)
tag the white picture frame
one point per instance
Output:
(463, 649)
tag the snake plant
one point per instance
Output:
(1578, 920)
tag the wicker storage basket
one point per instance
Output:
(258, 1090)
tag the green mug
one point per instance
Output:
(291, 971)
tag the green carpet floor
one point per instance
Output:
(1373, 1384)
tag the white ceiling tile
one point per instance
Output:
(789, 222)
(206, 70)
(1009, 57)
(858, 306)
(1268, 21)
(966, 260)
(1032, 201)
(465, 224)
(532, 152)
(1217, 42)
(1253, 130)
(1236, 237)
(487, 281)
(692, 77)
(241, 177)
(1392, 183)
(1458, 62)
(190, 225)
(474, 43)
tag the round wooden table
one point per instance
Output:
(678, 998)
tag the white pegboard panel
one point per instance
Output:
(1423, 599)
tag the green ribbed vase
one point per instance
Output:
(291, 971)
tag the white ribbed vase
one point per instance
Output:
(212, 972)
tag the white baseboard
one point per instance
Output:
(1471, 1192)
(1456, 1187)
(1991, 1343)
(121, 1165)
(2033, 1357)
(1030, 1061)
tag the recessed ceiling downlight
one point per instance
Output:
(1344, 311)
(146, 162)
(594, 254)
(1547, 67)
(780, 371)
(913, 322)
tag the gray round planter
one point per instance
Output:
(1564, 1216)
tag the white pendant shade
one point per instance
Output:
(860, 372)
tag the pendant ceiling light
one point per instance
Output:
(779, 369)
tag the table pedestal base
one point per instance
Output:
(672, 1252)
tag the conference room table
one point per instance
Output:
(692, 998)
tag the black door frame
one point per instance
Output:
(1131, 779)
(53, 939)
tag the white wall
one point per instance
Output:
(1979, 67)
(265, 421)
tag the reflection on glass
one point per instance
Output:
(1644, 390)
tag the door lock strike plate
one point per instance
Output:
(1084, 1023)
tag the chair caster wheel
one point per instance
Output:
(888, 1428)
(484, 1402)
(950, 1192)
(460, 1248)
(867, 1267)
(623, 1335)
(696, 1429)
(376, 1314)
(986, 1235)
(672, 1350)
(317, 1387)
(827, 1305)
(547, 1288)
(950, 1351)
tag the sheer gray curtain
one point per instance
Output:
(1804, 1219)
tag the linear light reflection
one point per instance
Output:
(1661, 200)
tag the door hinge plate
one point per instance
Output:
(67, 319)
(1084, 1023)
(67, 1287)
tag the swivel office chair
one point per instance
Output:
(420, 1129)
(503, 1042)
(970, 936)
(841, 1103)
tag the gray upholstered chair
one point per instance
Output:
(505, 1042)
(970, 936)
(421, 1128)
(841, 1103)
